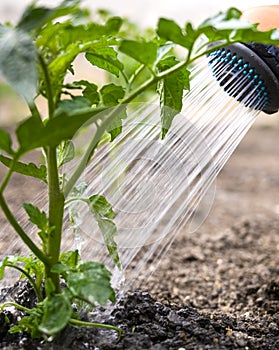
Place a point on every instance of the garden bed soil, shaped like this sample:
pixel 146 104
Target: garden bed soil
pixel 217 288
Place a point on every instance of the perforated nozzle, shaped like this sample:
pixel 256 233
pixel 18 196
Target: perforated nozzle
pixel 250 73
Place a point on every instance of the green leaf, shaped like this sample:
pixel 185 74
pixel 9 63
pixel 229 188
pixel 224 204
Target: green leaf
pixel 5 142
pixel 229 26
pixel 109 231
pixel 57 311
pixel 101 207
pixel 171 31
pixel 163 51
pixel 35 17
pixel 111 95
pixel 103 212
pixel 36 216
pixel 18 61
pixel 105 58
pixel 171 92
pixel 144 52
pixel 32 265
pixel 91 283
pixel 29 169
pixel 59 268
pixel 66 152
pixel 30 323
pixel 76 103
pixel 76 39
pixel 32 133
pixel 90 92
pixel 70 258
pixel 222 17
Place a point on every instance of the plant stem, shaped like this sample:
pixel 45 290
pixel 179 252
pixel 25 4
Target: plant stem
pixel 96 325
pixel 18 306
pixel 55 196
pixel 51 105
pixel 8 175
pixel 34 110
pixel 30 279
pixel 56 212
pixel 39 254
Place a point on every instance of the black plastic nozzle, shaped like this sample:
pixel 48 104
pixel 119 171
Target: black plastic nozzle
pixel 250 73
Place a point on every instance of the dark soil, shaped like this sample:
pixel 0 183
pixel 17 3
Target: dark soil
pixel 215 289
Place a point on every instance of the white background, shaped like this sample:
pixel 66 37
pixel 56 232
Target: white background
pixel 145 12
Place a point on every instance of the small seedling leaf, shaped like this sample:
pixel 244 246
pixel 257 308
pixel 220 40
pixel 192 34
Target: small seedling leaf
pixel 5 142
pixel 29 169
pixel 101 207
pixel 111 96
pixel 66 152
pixel 18 61
pixel 171 92
pixel 103 214
pixel 106 58
pixel 90 92
pixel 91 283
pixel 143 52
pixel 57 311
pixel 37 217
pixel 171 31
pixel 70 258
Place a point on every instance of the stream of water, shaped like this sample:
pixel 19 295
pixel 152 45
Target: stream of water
pixel 156 186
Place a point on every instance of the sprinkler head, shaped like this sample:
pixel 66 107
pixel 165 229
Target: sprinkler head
pixel 250 73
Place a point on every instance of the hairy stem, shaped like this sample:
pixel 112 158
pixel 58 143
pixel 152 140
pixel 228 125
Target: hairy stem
pixel 56 212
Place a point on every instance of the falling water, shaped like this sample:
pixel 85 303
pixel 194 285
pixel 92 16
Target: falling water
pixel 155 186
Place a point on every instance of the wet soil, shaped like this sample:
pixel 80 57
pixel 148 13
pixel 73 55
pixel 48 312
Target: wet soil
pixel 217 288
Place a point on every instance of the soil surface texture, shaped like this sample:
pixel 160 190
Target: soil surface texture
pixel 217 288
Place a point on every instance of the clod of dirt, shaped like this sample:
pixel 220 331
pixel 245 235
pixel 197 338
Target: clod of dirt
pixel 149 324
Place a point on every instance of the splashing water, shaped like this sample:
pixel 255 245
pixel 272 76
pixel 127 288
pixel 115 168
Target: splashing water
pixel 155 186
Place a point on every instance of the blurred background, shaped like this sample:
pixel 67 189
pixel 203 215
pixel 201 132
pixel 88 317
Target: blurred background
pixel 144 12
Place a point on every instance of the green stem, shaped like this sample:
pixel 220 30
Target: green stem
pixel 56 198
pixel 8 175
pixel 39 254
pixel 56 212
pixel 34 110
pixel 20 307
pixel 134 76
pixel 30 279
pixel 96 325
pixel 50 99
